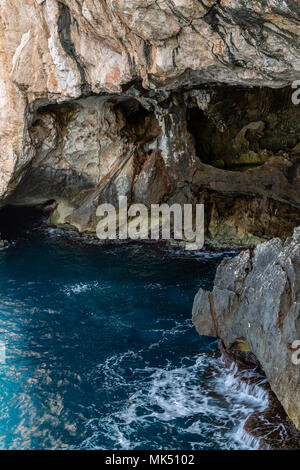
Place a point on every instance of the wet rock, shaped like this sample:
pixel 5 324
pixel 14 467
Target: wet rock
pixel 270 428
pixel 256 299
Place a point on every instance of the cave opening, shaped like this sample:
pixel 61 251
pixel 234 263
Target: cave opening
pixel 132 110
pixel 141 125
pixel 16 220
pixel 242 128
pixel 201 128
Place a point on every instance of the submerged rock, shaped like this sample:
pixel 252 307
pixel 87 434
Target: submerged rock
pixel 255 306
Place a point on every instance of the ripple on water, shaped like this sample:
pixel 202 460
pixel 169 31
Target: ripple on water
pixel 200 401
pixel 101 352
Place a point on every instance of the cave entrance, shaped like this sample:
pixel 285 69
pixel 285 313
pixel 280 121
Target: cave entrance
pixel 214 139
pixel 243 128
pixel 202 129
pixel 132 110
pixel 16 221
pixel 141 124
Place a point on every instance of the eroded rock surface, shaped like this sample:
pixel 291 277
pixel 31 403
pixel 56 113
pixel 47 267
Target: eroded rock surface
pixel 160 101
pixel 95 149
pixel 255 305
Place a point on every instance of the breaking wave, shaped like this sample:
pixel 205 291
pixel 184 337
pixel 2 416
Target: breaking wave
pixel 101 352
pixel 199 400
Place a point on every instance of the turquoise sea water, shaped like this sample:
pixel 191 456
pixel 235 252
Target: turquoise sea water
pixel 100 351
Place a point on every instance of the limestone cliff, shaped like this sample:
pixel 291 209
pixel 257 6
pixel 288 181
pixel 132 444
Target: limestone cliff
pixel 167 100
pixel 255 305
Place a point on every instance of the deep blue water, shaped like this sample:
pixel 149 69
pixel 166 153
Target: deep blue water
pixel 101 352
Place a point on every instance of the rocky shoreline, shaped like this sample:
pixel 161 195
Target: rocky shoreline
pixel 200 111
pixel 254 308
pixel 270 429
pixel 177 101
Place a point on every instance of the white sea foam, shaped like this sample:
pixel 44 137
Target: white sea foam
pixel 240 382
pixel 246 390
pixel 199 399
pixel 78 288
pixel 247 441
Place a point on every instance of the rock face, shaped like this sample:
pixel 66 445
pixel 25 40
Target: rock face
pixel 255 305
pixel 164 101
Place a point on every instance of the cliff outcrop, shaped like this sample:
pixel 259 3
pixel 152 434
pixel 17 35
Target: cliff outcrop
pixel 255 307
pixel 185 101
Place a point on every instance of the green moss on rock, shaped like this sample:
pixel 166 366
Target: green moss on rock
pixel 250 158
pixel 218 163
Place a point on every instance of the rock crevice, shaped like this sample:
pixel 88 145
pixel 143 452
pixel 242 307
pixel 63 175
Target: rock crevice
pixel 64 31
